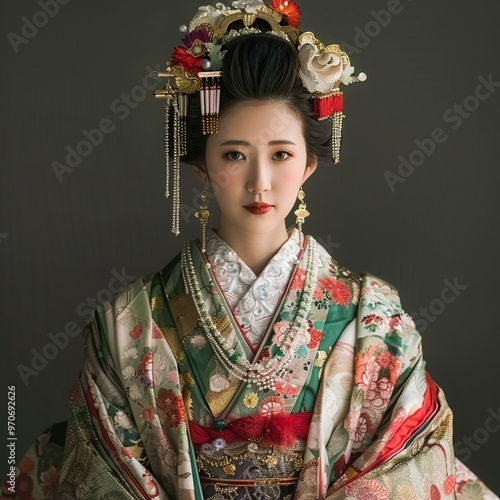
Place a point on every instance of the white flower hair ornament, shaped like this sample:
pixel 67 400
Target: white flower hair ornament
pixel 196 67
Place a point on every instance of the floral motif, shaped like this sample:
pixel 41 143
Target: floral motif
pixel 298 280
pixel 340 293
pixel 172 406
pixel 280 330
pixel 449 485
pixel 145 367
pixel 195 42
pixel 218 383
pixel 367 370
pixel 251 400
pixel 386 290
pixel 128 372
pixel 373 322
pixel 24 485
pixel 136 332
pixel 198 341
pixel 148 413
pixel 182 58
pixel 26 465
pixel 158 365
pixel 134 392
pixel 431 490
pixel 367 489
pixel 168 455
pixel 289 10
pixel 172 377
pixel 130 353
pixel 315 336
pixel 150 486
pixel 286 387
pixel 49 481
pixel 272 405
pixel 121 419
pixel 395 322
pixel 405 492
pixel 320 68
pixel 167 400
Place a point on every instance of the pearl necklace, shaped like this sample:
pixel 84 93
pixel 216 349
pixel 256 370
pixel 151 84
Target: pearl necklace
pixel 264 375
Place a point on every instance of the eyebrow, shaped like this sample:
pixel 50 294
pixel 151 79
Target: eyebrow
pixel 245 143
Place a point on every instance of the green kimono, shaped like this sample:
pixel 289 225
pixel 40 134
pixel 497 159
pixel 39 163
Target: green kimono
pixel 156 413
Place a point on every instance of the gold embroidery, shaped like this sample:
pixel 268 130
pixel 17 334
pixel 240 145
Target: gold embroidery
pixel 218 401
pixel 347 278
pixel 157 303
pixel 186 379
pixel 223 325
pixel 185 314
pixel 229 469
pixel 227 458
pixel 188 402
pixel 174 342
pixel 321 358
pixel 251 400
pixel 137 450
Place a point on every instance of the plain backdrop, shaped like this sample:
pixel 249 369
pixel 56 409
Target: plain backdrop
pixel 62 239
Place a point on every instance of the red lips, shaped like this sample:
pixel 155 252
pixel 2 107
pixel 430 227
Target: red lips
pixel 259 208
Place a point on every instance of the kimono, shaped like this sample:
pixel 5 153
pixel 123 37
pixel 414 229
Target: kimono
pixel 156 414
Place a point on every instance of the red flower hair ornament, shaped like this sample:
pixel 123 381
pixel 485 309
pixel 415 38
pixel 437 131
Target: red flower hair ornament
pixel 289 10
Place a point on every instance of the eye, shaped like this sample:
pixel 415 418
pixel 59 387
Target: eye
pixel 281 156
pixel 235 156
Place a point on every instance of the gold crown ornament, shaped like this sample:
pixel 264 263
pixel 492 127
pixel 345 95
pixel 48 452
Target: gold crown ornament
pixel 196 67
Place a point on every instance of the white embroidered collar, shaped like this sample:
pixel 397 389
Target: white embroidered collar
pixel 253 299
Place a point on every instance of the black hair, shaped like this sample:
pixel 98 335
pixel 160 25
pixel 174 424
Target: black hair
pixel 261 67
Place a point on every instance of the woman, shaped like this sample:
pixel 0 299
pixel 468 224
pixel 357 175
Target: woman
pixel 254 365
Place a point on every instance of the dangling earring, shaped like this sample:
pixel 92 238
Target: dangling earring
pixel 203 215
pixel 301 214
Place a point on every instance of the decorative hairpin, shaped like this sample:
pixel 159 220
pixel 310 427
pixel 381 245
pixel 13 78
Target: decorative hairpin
pixel 195 67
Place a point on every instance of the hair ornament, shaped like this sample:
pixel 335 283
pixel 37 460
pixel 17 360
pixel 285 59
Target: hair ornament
pixel 196 67
pixel 289 10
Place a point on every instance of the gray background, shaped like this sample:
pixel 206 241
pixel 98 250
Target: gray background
pixel 61 241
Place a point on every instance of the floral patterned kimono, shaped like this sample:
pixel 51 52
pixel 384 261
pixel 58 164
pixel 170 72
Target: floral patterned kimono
pixel 155 414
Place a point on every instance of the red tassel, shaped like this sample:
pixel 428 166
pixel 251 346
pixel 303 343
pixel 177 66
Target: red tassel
pixel 327 106
pixel 279 429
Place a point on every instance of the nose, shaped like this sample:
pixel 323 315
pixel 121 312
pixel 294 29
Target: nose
pixel 259 178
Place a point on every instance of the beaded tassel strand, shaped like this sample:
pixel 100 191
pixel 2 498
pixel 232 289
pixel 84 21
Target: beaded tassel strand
pixel 177 159
pixel 167 146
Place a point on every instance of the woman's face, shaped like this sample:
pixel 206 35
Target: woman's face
pixel 256 165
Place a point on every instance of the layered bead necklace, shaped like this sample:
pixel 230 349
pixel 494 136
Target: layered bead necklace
pixel 263 375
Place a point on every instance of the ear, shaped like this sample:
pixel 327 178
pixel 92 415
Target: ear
pixel 310 168
pixel 200 170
